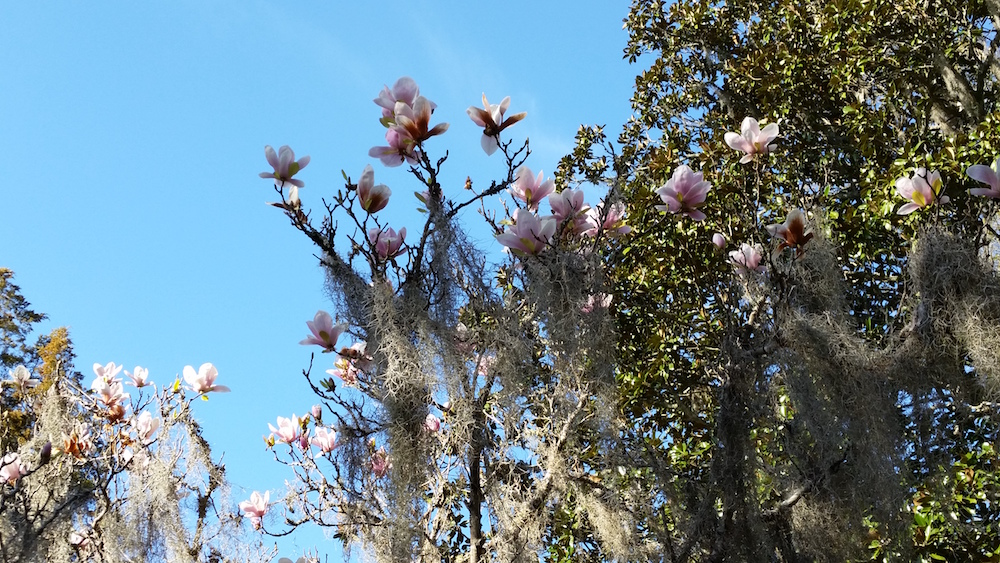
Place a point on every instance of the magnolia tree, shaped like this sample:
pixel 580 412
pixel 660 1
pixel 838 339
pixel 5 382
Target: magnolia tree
pixel 463 398
pixel 109 473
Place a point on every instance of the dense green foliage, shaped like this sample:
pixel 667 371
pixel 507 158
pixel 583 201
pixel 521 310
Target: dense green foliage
pixel 809 414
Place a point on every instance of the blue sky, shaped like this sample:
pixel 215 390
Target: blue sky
pixel 133 134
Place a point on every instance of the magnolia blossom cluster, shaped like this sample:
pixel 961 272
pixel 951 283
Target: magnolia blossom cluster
pixel 687 190
pixel 925 187
pixel 114 431
pixel 571 216
pixel 406 116
pixel 296 431
pixel 350 360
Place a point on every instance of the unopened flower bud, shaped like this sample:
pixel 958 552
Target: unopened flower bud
pixel 46 454
pixel 317 412
pixel 719 240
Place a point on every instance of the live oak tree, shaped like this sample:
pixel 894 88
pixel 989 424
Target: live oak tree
pixel 838 406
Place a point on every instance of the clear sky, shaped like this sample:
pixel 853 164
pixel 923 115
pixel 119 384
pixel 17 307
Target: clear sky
pixel 133 132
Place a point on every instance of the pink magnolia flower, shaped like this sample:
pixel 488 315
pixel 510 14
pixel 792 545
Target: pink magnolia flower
pixel 719 240
pixel 381 463
pixel 413 121
pixel 139 377
pixel 684 192
pixel 752 140
pixel 316 411
pixel 490 118
pixel 569 209
pixel 345 371
pixel 614 220
pixel 108 371
pixel 11 468
pixel 988 176
pixel 256 507
pixel 22 378
pixel 288 430
pixel 432 423
pixel 373 198
pixel 325 439
pixel 529 234
pixel 596 301
pixel 145 426
pixel 792 232
pixel 921 189
pixel 531 189
pixel 285 166
pixel 404 90
pixel 324 333
pixel 399 150
pixel 111 393
pixel 79 442
pixel 746 259
pixel 388 244
pixel 203 381
pixel 358 355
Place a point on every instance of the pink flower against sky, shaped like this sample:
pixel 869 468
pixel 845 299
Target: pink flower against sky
pixel 256 507
pixel 288 430
pixel 325 439
pixel 345 370
pixel 490 118
pixel 108 371
pixel 285 166
pixel 324 333
pixel 145 426
pixel 747 259
pixel 203 380
pixel 373 198
pixel 531 189
pixel 529 234
pixel 404 90
pixel 684 192
pixel 111 393
pixel 139 377
pixel 988 176
pixel 413 122
pixel 387 242
pixel 752 140
pixel 400 149
pixel 921 189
